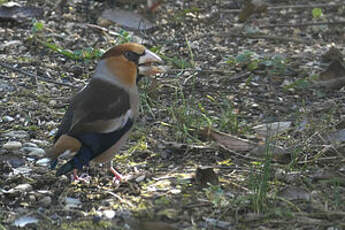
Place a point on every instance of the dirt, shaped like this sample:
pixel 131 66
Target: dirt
pixel 218 76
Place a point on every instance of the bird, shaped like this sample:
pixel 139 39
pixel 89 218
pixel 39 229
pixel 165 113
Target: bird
pixel 101 115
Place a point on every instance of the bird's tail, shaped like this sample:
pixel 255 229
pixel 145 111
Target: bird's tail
pixel 63 146
pixel 66 168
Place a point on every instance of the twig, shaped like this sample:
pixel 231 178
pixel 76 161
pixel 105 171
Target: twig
pixel 240 155
pixel 319 159
pixel 302 24
pixel 5 77
pixel 97 27
pixel 34 76
pixel 197 205
pixel 120 199
pixel 288 7
pixel 236 77
pixel 288 202
pixel 261 36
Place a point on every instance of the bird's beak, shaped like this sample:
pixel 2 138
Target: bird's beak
pixel 145 64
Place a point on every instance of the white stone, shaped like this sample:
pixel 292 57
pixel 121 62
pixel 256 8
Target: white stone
pixel 12 145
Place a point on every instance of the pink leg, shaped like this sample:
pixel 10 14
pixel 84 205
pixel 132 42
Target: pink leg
pixel 117 176
pixel 83 178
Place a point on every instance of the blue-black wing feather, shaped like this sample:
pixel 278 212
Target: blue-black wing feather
pixel 93 144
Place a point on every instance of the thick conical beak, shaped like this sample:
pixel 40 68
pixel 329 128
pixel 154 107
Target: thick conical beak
pixel 145 64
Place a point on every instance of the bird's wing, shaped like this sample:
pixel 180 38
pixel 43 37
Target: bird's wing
pixel 99 108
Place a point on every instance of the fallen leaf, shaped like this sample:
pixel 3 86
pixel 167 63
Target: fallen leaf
pixel 169 212
pixel 337 137
pixel 203 176
pixel 234 143
pixel 294 193
pixel 19 13
pixel 333 77
pixel 268 130
pixel 278 153
pixel 252 7
pixel 332 54
pixel 127 19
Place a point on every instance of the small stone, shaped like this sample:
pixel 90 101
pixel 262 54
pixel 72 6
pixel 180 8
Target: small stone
pixel 63 179
pixel 140 178
pixel 52 102
pixel 16 162
pixel 43 162
pixel 40 142
pixel 24 220
pixel 109 214
pixel 34 151
pixel 32 198
pixel 8 118
pixel 72 203
pixel 45 201
pixel 12 145
pixel 29 144
pixel 17 134
pixel 23 188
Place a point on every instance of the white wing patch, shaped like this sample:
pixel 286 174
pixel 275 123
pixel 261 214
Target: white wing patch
pixel 118 122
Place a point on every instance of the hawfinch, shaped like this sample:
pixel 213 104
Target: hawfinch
pixel 101 116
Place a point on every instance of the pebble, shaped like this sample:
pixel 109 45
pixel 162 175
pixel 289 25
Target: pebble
pixel 32 198
pixel 140 178
pixel 24 220
pixel 40 142
pixel 23 188
pixel 17 134
pixel 8 118
pixel 29 144
pixel 63 179
pixel 12 145
pixel 109 214
pixel 72 203
pixel 16 162
pixel 52 102
pixel 5 87
pixel 43 162
pixel 45 201
pixel 34 151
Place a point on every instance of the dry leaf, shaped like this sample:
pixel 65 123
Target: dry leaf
pixel 203 176
pixel 333 54
pixel 279 154
pixel 19 13
pixel 252 7
pixel 272 129
pixel 294 193
pixel 333 77
pixel 128 19
pixel 231 142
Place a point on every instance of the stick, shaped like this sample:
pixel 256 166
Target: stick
pixel 303 24
pixel 35 76
pixel 289 7
pixel 260 36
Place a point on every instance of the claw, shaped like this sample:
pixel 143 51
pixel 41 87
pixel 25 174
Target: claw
pixel 84 178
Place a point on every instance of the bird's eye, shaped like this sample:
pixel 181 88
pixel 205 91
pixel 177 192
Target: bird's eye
pixel 131 56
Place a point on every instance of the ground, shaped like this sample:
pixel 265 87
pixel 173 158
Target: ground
pixel 222 81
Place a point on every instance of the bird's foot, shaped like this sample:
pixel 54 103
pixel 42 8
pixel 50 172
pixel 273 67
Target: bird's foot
pixel 118 178
pixel 84 177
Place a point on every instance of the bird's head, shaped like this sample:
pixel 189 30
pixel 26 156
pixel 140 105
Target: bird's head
pixel 126 62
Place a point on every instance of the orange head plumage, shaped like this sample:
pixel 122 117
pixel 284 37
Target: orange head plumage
pixel 128 60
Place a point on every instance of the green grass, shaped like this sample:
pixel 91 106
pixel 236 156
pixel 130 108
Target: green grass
pixel 259 182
